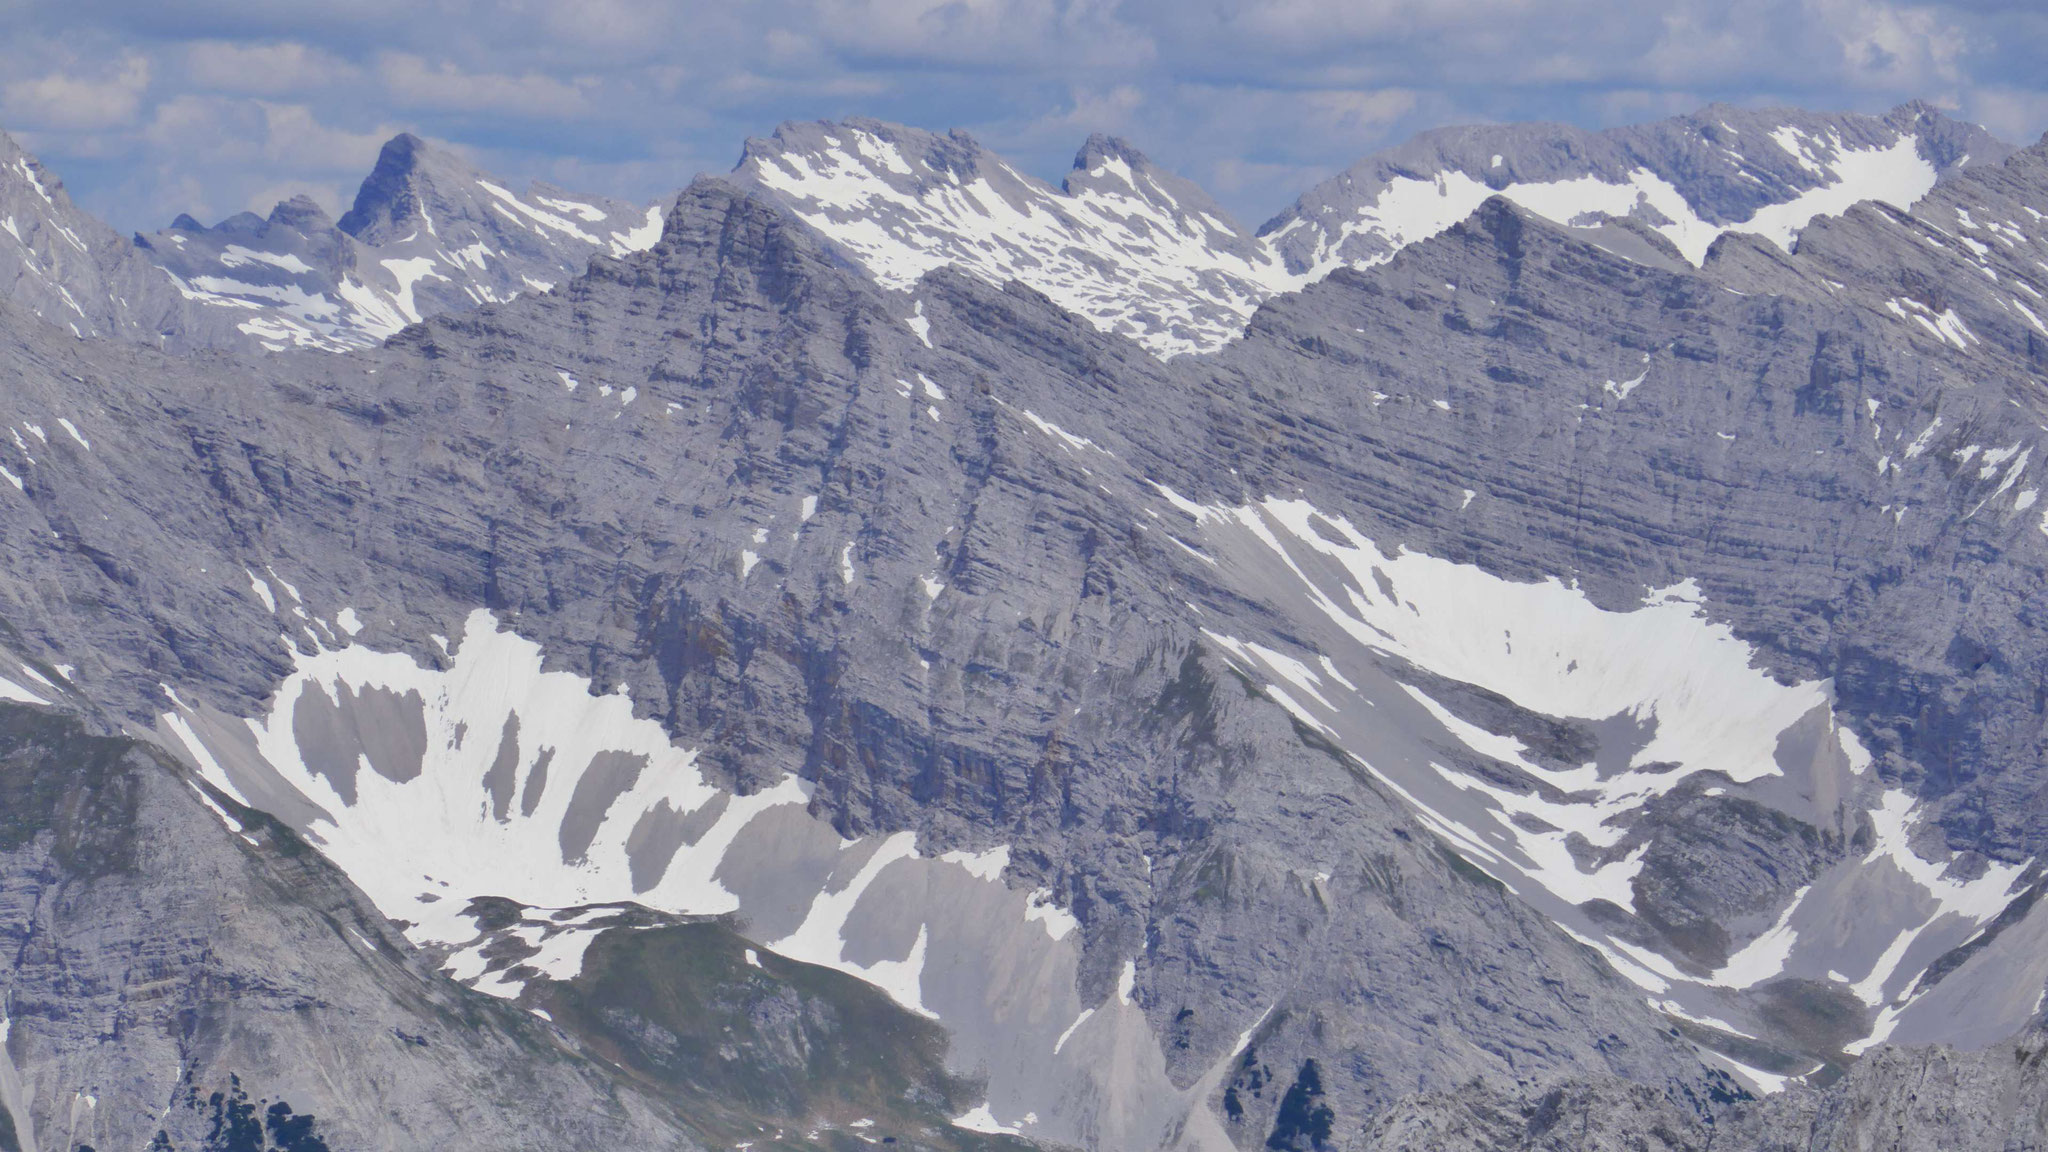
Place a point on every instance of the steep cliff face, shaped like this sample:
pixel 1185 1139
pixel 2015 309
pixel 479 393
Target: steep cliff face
pixel 1521 662
pixel 870 591
pixel 186 978
pixel 186 973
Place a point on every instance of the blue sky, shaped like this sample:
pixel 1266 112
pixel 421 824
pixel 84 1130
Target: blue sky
pixel 215 106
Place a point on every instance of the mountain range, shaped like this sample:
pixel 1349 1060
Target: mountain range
pixel 428 234
pixel 1556 666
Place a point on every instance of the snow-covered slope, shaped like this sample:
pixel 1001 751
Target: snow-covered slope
pixel 428 234
pixel 1390 643
pixel 1136 250
pixel 1689 179
pixel 490 777
pixel 1141 252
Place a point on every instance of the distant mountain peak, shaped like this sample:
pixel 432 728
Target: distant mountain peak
pixel 303 213
pixel 1692 178
pixel 1134 249
pixel 60 263
pixel 1144 252
pixel 895 153
pixel 428 233
pixel 395 197
pixel 1100 147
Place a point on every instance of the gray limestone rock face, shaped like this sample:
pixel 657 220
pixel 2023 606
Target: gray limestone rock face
pixel 63 265
pixel 1252 666
pixel 1069 708
pixel 173 974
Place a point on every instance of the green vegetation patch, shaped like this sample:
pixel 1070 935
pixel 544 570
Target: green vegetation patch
pixel 81 789
pixel 779 1053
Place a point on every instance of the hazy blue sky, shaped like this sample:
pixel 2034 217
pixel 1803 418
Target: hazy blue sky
pixel 213 106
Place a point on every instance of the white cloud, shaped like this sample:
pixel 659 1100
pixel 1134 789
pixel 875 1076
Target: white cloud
pixel 1347 114
pixel 295 138
pixel 1893 46
pixel 418 84
pixel 109 97
pixel 240 153
pixel 264 68
pixel 1012 34
pixel 1250 96
pixel 1318 23
pixel 2016 114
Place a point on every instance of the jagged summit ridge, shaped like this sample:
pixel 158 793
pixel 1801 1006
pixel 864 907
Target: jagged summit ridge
pixel 1133 249
pixel 428 233
pixel 1147 254
pixel 391 195
pixel 1689 178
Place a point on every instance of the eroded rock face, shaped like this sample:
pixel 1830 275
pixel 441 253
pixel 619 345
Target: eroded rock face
pixel 1904 1098
pixel 1508 663
pixel 177 980
pixel 791 667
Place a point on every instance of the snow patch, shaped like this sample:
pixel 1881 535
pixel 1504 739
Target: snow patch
pixel 1059 922
pixel 1620 390
pixel 262 590
pixel 987 865
pixel 980 1119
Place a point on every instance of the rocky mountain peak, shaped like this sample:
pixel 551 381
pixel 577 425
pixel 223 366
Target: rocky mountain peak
pixel 901 201
pixel 398 196
pixel 896 154
pixel 64 265
pixel 428 233
pixel 303 213
pixel 1112 165
pixel 1692 178
pixel 1946 141
pixel 1101 148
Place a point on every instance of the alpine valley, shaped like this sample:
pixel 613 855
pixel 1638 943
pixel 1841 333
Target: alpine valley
pixel 1538 646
